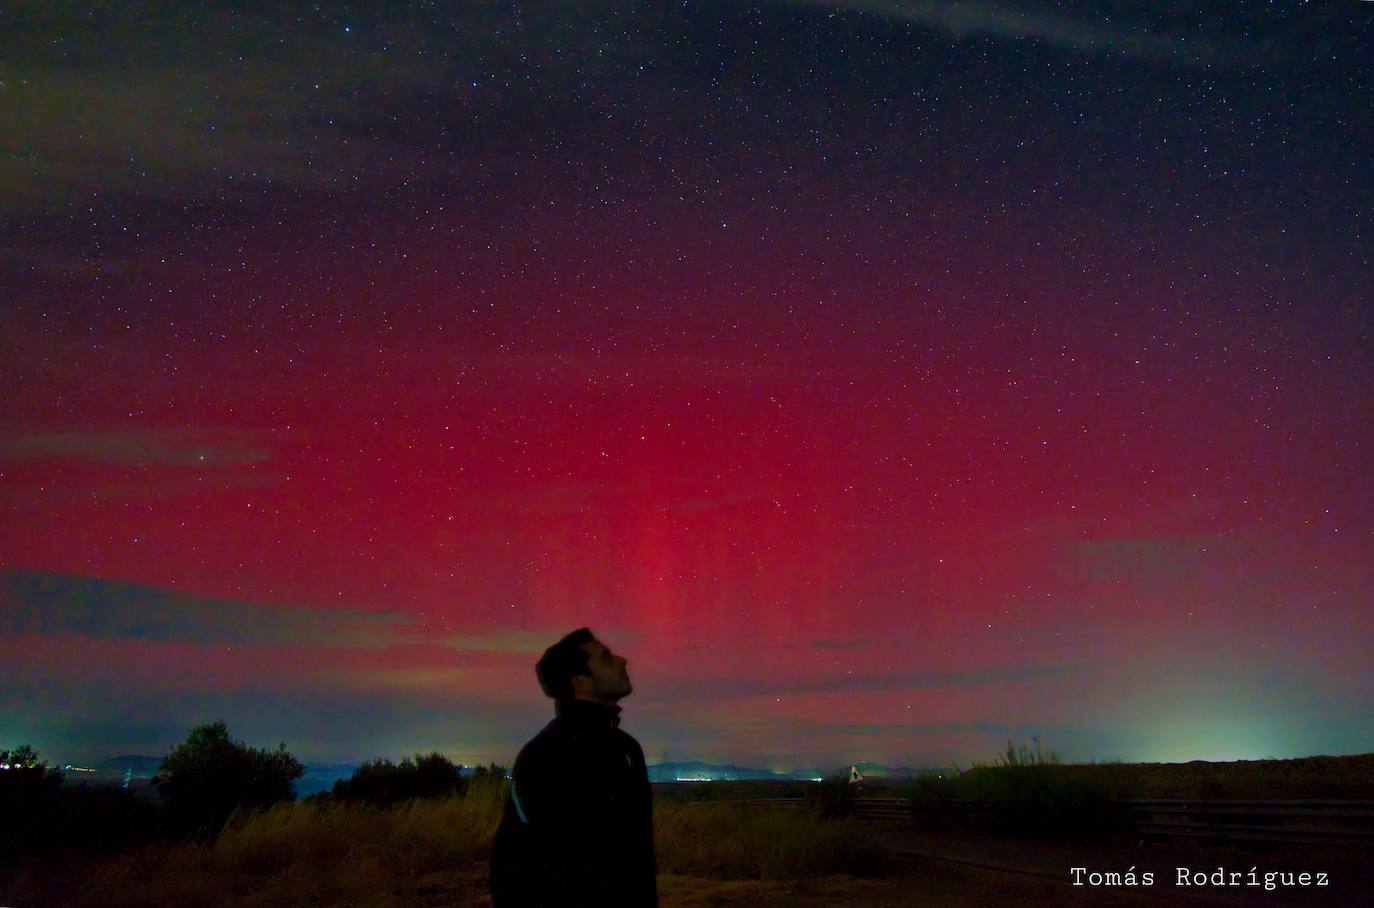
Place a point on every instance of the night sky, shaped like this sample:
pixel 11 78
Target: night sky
pixel 885 379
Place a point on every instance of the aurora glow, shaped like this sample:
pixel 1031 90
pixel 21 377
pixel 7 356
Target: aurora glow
pixel 886 380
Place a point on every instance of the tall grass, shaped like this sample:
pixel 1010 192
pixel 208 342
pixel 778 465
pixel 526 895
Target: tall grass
pixel 321 852
pixel 1021 768
pixel 314 852
pixel 732 841
pixel 412 837
pixel 1028 792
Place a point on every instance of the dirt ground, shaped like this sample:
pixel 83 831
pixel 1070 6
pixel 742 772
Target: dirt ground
pixel 935 884
pixel 1027 874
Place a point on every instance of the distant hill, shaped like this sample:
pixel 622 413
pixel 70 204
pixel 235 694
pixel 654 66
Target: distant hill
pixel 697 771
pixel 877 772
pixel 112 771
pixel 140 763
pixel 322 776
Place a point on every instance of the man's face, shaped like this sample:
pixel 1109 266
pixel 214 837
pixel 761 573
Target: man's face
pixel 606 680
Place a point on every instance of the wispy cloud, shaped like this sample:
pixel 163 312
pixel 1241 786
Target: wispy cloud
pixel 732 688
pixel 1163 563
pixel 505 641
pixel 140 447
pixel 68 719
pixel 86 127
pixel 65 604
pixel 1092 30
pixel 163 103
pixel 1018 731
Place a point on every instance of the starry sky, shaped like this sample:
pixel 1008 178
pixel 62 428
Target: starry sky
pixel 884 379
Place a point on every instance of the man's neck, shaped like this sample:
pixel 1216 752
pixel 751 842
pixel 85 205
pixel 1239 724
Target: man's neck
pixel 584 710
pixel 592 698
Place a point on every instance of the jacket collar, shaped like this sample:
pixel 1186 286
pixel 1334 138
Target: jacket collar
pixel 585 712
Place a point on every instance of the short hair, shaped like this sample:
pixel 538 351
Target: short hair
pixel 555 669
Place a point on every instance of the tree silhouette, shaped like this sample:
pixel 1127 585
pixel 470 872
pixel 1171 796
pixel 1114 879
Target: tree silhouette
pixel 383 783
pixel 208 775
pixel 20 757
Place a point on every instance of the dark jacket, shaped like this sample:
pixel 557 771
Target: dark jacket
pixel 577 827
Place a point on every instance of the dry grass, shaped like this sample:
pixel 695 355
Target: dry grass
pixel 1029 792
pixel 434 853
pixel 317 853
pixel 1306 777
pixel 412 838
pixel 734 842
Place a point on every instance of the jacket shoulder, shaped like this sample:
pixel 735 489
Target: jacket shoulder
pixel 542 746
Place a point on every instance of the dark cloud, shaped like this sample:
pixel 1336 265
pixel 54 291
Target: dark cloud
pixel 144 101
pixel 165 101
pixel 738 687
pixel 315 725
pixel 64 604
pixel 35 602
pixel 1157 565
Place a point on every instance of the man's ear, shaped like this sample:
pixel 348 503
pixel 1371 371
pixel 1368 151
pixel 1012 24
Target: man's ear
pixel 580 684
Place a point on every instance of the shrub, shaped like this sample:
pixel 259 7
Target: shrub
pixel 382 783
pixel 209 776
pixel 493 769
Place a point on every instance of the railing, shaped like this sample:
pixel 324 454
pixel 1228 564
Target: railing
pixel 1338 823
pixel 1306 822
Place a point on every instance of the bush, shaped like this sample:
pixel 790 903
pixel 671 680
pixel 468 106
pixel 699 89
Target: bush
pixel 26 783
pixel 29 799
pixel 382 783
pixel 492 769
pixel 209 776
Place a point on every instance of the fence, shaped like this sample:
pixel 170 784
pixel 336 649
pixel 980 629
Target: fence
pixel 1339 823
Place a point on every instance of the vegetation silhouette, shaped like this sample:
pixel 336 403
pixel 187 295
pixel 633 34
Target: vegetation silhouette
pixel 209 776
pixel 1023 792
pixel 382 783
pixel 298 852
pixel 45 813
pixel 29 793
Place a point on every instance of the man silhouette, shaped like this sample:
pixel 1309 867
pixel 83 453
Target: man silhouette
pixel 577 828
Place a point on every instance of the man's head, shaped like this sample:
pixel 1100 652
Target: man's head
pixel 581 667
